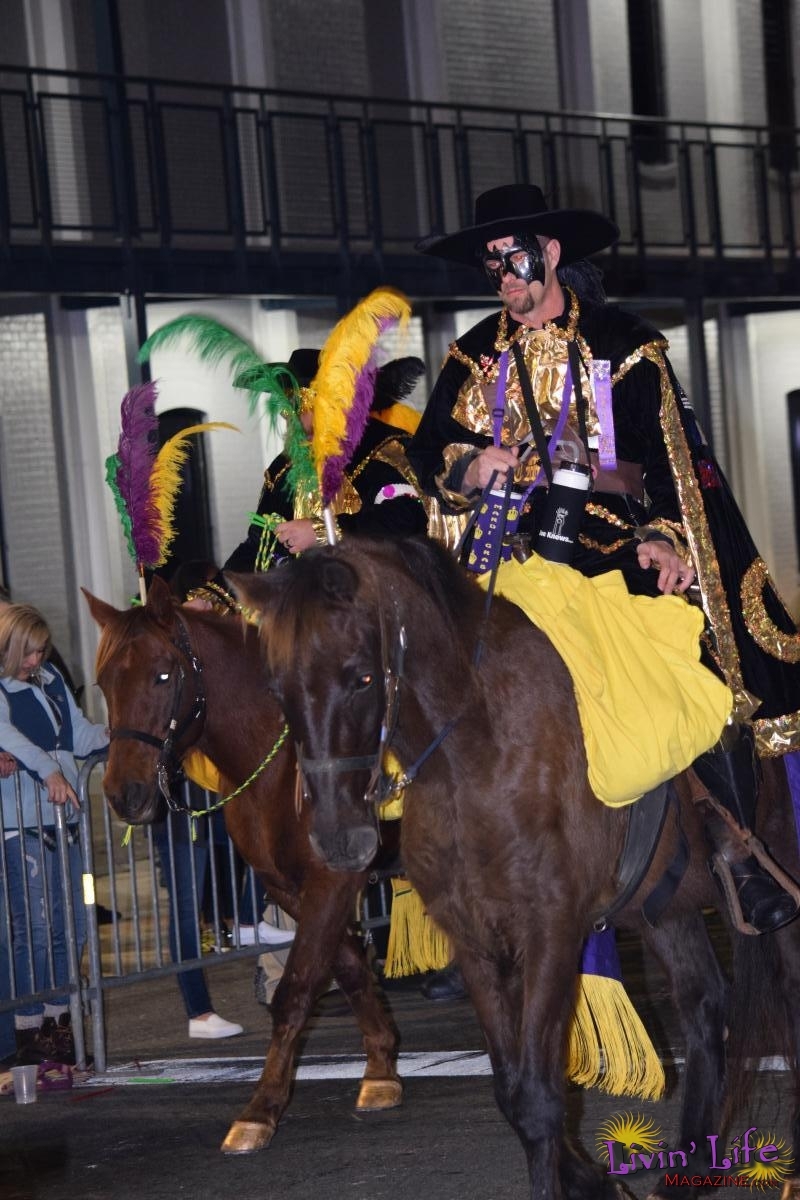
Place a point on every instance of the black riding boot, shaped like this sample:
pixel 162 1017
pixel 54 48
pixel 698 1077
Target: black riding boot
pixel 446 984
pixel 731 773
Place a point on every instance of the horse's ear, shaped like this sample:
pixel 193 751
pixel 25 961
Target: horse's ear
pixel 252 591
pixel 339 581
pixel 160 604
pixel 101 611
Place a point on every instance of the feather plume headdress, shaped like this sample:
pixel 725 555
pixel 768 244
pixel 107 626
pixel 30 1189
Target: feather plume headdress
pixel 145 480
pixel 270 384
pixel 344 386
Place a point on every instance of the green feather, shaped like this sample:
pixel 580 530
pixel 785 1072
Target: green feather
pixel 212 341
pixel 274 383
pixel 112 466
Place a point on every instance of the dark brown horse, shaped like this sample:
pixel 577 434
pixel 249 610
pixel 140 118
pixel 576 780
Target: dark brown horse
pixel 160 662
pixel 511 852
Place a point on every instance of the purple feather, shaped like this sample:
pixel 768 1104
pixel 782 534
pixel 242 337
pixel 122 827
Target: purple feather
pixel 138 446
pixel 356 423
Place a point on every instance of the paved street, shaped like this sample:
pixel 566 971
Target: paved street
pixel 152 1127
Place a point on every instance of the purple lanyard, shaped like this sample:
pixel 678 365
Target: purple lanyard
pixel 498 412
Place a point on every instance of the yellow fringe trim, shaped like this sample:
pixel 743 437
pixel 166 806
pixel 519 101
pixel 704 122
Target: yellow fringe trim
pixel 609 1047
pixel 416 943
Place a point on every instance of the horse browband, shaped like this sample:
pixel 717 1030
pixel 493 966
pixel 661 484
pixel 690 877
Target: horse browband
pixel 175 731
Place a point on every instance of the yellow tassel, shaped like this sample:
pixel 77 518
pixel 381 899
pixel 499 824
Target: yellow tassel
pixel 342 359
pixel 609 1047
pixel 202 771
pixel 165 478
pixel 416 943
pixel 392 809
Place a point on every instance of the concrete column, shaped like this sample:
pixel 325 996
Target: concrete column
pixel 83 501
pixel 698 365
pixel 252 63
pixel 423 51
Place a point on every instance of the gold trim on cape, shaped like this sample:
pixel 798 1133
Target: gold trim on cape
pixel 698 535
pixel 777 735
pixel 762 629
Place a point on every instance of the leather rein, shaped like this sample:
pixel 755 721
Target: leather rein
pixel 381 786
pixel 167 758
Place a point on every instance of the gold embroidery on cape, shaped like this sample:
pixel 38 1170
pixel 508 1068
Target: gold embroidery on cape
pixel 347 500
pixel 450 455
pixel 391 452
pixel 777 735
pixel 545 355
pixel 602 547
pixel 639 353
pixel 672 530
pixel 698 538
pixel 762 629
pixel 599 510
pixel 445 528
pixel 271 481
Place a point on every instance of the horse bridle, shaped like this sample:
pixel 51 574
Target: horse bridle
pixel 167 759
pixel 375 791
pixel 381 787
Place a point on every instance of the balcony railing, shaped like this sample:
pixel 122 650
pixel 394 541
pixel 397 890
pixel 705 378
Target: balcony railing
pixel 140 177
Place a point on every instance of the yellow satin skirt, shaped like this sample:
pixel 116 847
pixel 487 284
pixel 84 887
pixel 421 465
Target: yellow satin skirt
pixel 647 705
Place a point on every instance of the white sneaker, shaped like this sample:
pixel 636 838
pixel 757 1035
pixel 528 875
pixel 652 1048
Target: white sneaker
pixel 214 1026
pixel 270 935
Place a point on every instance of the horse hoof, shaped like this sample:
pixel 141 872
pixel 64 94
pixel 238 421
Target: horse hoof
pixel 245 1137
pixel 376 1094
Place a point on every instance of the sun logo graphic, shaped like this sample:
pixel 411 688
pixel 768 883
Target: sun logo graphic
pixel 632 1132
pixel 773 1173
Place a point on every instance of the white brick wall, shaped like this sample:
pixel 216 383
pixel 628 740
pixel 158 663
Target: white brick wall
pixel 775 370
pixel 30 486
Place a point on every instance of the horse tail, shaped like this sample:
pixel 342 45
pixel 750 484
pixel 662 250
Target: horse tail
pixel 760 1018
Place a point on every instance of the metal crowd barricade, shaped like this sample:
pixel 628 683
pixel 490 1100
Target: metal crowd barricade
pixel 123 871
pixel 49 836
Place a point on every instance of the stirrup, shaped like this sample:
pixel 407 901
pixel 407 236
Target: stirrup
pixel 721 868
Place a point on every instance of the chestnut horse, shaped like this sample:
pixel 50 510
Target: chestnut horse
pixel 369 646
pixel 160 663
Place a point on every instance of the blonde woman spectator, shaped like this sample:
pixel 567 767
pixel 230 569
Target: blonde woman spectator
pixel 44 730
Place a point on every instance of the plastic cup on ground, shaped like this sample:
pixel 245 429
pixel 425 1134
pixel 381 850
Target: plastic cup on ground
pixel 24 1084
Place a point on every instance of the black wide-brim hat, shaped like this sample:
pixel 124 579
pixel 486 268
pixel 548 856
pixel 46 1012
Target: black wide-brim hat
pixel 521 208
pixel 303 364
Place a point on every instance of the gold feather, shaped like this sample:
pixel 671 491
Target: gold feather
pixel 165 479
pixel 344 356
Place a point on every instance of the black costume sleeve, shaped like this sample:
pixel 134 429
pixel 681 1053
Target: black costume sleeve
pixel 274 499
pixel 640 438
pixel 403 516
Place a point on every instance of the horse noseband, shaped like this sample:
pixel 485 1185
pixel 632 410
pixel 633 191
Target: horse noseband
pixel 379 783
pixel 167 761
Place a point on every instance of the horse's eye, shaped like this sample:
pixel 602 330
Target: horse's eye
pixel 162 677
pixel 365 681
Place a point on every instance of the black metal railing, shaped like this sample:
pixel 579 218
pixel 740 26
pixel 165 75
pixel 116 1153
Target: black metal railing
pixel 147 165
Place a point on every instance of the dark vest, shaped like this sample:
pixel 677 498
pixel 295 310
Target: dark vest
pixel 28 716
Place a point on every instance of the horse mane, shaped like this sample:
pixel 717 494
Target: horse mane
pixel 129 623
pixel 313 584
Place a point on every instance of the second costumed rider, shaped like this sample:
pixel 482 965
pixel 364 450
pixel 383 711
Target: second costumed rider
pixel 378 495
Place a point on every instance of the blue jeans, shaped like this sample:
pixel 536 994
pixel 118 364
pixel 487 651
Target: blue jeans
pixel 184 930
pixel 31 864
